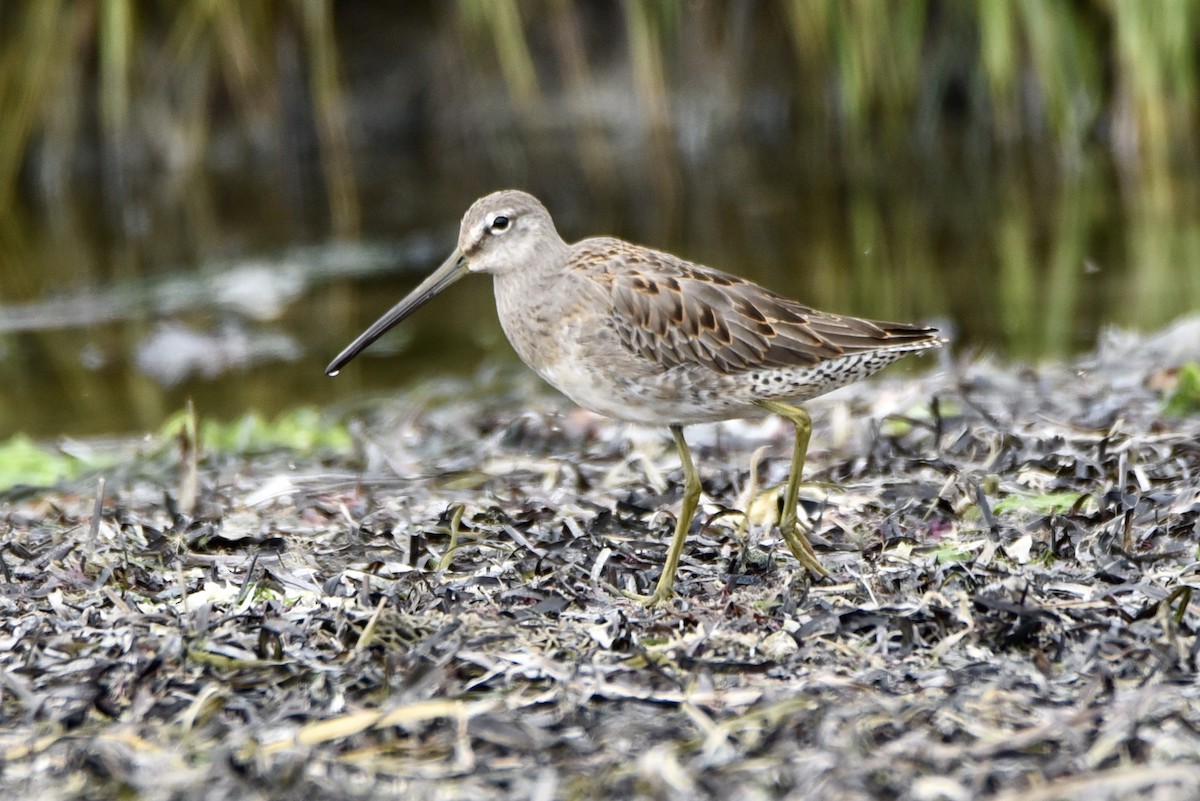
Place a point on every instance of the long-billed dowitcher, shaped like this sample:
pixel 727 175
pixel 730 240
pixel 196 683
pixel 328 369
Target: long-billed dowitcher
pixel 647 337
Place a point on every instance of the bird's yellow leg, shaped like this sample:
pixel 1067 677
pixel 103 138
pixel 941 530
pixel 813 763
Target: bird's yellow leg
pixel 797 543
pixel 691 497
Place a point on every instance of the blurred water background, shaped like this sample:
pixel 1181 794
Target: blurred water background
pixel 209 199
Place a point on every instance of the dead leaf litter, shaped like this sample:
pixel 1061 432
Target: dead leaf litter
pixel 1010 613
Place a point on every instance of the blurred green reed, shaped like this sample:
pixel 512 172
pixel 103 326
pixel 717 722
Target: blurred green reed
pixel 155 75
pixel 1061 75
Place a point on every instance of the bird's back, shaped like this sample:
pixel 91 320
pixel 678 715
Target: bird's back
pixel 674 312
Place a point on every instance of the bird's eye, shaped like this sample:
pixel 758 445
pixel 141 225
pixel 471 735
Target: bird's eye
pixel 500 224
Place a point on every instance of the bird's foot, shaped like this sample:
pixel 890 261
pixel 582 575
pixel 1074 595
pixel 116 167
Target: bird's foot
pixel 652 600
pixel 801 548
pixel 658 596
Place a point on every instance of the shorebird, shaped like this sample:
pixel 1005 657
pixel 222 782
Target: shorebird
pixel 647 337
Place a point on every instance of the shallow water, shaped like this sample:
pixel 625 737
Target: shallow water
pixel 104 330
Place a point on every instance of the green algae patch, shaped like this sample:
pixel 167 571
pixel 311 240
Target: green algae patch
pixel 25 462
pixel 1184 398
pixel 305 430
pixel 1042 503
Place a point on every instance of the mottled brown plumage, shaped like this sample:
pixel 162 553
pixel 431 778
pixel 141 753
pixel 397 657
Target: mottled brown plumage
pixel 673 312
pixel 644 336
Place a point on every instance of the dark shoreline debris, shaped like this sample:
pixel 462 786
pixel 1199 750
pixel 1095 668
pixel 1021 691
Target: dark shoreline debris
pixel 1011 612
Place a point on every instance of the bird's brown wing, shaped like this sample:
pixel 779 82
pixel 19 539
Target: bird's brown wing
pixel 672 312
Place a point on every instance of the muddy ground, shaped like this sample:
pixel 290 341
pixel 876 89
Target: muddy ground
pixel 1010 612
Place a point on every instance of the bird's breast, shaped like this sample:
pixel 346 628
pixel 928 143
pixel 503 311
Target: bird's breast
pixel 534 320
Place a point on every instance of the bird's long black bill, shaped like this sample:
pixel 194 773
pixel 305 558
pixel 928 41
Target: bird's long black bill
pixel 451 270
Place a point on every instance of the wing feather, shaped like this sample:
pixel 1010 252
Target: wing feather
pixel 672 312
